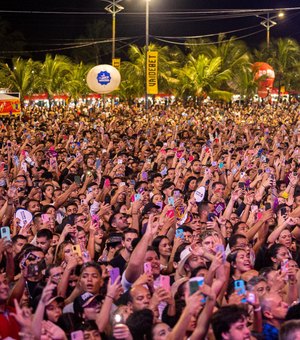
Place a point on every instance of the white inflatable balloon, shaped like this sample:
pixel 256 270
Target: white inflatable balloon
pixel 103 79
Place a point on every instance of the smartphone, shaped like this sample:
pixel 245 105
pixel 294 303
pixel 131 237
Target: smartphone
pixel 171 201
pixel 254 208
pixel 147 268
pixel 144 176
pixel 107 199
pixel 239 287
pixel 106 183
pixel 164 282
pixel 45 218
pixel 259 171
pixel 120 161
pixel 160 205
pixel 176 193
pixel 170 213
pixel 241 185
pixel 32 270
pixel 53 162
pixel 284 267
pixel 114 274
pixel 251 297
pixel 24 166
pixel 118 319
pixel 5 233
pixel 268 206
pixel 78 335
pixel 220 249
pixel 137 197
pixel 77 250
pixel 95 218
pixel 179 233
pixel 77 180
pixel 193 286
pixel 283 211
pixel 210 217
pixel 121 184
pixel 195 283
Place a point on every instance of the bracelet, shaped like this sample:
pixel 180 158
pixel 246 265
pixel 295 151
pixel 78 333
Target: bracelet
pixel 109 296
pixel 257 309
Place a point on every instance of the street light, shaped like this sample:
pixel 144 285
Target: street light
pixel 113 8
pixel 268 22
pixel 147 48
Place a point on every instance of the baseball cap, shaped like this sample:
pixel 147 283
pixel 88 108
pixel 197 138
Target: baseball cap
pixel 84 300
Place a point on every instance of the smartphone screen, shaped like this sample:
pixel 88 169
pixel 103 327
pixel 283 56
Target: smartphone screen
pixel 77 180
pixel 5 233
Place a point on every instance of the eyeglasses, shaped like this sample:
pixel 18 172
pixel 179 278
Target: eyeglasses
pixel 82 220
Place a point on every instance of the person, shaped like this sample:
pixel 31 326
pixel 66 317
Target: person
pixel 274 311
pixel 102 191
pixel 290 330
pixel 9 326
pixel 230 323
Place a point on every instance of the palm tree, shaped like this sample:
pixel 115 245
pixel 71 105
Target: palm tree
pixel 233 53
pixel 75 81
pixel 54 73
pixel 283 55
pixel 242 82
pixel 21 77
pixel 202 76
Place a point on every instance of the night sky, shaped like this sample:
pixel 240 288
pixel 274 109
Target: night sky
pixel 53 31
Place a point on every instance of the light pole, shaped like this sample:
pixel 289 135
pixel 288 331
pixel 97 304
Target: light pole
pixel 268 22
pixel 147 48
pixel 113 8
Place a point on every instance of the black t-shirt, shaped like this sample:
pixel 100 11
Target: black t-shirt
pixel 119 262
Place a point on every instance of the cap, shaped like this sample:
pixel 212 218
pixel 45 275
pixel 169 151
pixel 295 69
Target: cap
pixel 84 300
pixel 148 207
pixel 55 298
pixel 184 256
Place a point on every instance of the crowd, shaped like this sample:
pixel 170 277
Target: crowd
pixel 179 223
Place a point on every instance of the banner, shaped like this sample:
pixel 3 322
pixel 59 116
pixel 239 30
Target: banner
pixel 116 62
pixel 152 72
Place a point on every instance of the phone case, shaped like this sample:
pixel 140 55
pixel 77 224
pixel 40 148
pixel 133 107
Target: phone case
pixel 179 233
pixel 239 287
pixel 76 249
pixel 147 268
pixel 106 183
pixel 171 201
pixel 114 274
pixel 165 282
pixel 45 218
pixel 78 335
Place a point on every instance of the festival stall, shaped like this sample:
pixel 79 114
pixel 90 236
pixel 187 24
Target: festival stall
pixel 9 105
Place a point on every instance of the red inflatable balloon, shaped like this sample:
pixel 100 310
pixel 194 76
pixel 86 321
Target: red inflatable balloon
pixel 264 74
